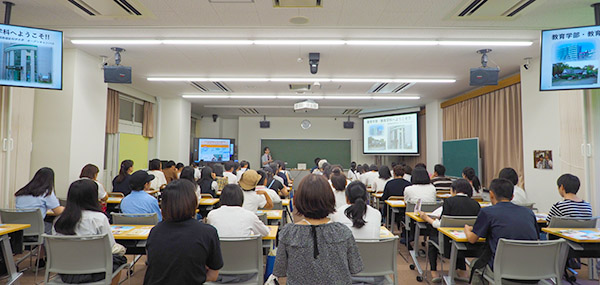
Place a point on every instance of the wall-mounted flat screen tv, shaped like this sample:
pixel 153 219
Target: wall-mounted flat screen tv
pixel 569 58
pixel 31 57
pixel 391 134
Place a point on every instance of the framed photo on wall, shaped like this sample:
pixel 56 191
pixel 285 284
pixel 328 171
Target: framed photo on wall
pixel 542 159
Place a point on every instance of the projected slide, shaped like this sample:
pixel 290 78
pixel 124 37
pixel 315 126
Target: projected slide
pixel 394 134
pixel 214 150
pixel 569 59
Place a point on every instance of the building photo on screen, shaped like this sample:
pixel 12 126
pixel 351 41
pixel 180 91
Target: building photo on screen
pixel 30 57
pixel 394 134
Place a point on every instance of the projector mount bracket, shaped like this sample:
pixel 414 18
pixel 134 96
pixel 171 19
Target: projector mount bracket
pixel 484 57
pixel 117 51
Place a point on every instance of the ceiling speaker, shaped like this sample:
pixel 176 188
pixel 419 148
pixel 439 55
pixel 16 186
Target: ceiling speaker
pixel 348 125
pixel 265 124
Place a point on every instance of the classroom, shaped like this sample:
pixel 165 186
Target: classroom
pixel 204 85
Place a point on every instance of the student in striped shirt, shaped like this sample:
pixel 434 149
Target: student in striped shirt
pixel 439 179
pixel 572 206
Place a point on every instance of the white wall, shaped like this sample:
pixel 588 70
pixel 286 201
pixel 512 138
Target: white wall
pixel 542 131
pixel 174 133
pixel 434 134
pixel 68 128
pixel 250 135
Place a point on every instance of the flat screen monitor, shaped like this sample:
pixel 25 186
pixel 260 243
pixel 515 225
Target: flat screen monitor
pixel 215 150
pixel 391 134
pixel 31 57
pixel 569 59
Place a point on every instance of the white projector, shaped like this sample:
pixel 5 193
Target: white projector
pixel 308 104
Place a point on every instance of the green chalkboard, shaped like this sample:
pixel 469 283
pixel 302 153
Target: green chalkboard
pixel 458 154
pixel 296 151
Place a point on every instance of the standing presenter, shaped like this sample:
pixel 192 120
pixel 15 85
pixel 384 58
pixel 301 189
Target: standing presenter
pixel 266 157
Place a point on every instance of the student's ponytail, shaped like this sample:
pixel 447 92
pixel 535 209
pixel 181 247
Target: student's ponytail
pixel 356 192
pixel 469 173
pixel 125 165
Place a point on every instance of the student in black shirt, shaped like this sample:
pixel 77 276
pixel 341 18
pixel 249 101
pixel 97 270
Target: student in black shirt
pixel 395 187
pixel 121 181
pixel 180 249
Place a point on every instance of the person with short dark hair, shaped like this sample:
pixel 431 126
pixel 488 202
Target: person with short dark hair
pixel 363 220
pixel 502 220
pixel 90 171
pixel 179 167
pixel 384 177
pixel 170 171
pixel 407 172
pixel 244 165
pixel 218 169
pixel 266 157
pixel 370 176
pixel 262 185
pixel 182 250
pixel 121 182
pixel 519 195
pixel 439 179
pixel 421 188
pixel 273 182
pixel 460 204
pixel 571 206
pixel 154 169
pixel 229 168
pixel 353 173
pixel 231 220
pixel 138 201
pixel 338 185
pixel 316 165
pixel 421 165
pixel 314 250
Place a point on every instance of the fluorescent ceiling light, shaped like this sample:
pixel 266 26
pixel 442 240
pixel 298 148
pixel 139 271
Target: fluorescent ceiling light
pixel 307 80
pixel 296 97
pixel 396 97
pixel 349 97
pixel 299 97
pixel 301 42
pixel 202 96
pixel 252 97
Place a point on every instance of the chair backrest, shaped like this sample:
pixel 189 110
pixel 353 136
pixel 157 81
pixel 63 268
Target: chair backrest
pixel 527 205
pixel 529 260
pixel 396 198
pixel 32 217
pixel 78 255
pixel 276 206
pixel 62 201
pixel 457 221
pixel 567 222
pixel 425 207
pixel 263 218
pixel 242 255
pixel 134 219
pixel 378 256
pixel 116 194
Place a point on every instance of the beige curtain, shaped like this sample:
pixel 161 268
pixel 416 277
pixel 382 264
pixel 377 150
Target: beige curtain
pixel 148 120
pixel 112 112
pixel 496 119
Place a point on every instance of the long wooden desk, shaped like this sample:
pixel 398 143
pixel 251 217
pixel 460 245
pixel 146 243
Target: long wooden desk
pixel 459 243
pixel 391 212
pixel 208 201
pixel 285 202
pixel 114 200
pixel 141 232
pixel 11 268
pixel 272 214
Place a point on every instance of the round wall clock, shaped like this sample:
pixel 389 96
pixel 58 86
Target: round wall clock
pixel 305 124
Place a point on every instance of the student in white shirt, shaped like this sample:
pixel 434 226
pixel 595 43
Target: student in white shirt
pixel 254 199
pixel 407 173
pixel 154 168
pixel 231 220
pixel 421 189
pixel 362 219
pixel 469 174
pixel 90 171
pixel 519 195
pixel 353 174
pixel 384 177
pixel 262 186
pixel 338 184
pixel 229 167
pixel 369 177
pixel 244 165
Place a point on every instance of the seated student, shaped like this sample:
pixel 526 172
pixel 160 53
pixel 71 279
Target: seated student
pixel 460 204
pixel 262 185
pixel 188 174
pixel 39 194
pixel 407 172
pixel 244 165
pixel 218 169
pixel 273 182
pixel 231 220
pixel 384 176
pixel 254 199
pixel 154 169
pixel 83 217
pixel 197 173
pixel 316 165
pixel 353 173
pixel 229 168
pixel 180 249
pixel 314 250
pixel 179 167
pixel 363 220
pixel 502 220
pixel 370 176
pixel 170 171
pixel 138 201
pixel 321 165
pixel 90 171
pixel 394 187
pixel 519 195
pixel 421 188
pixel 439 180
pixel 572 206
pixel 207 182
pixel 469 174
pixel 338 185
pixel 121 182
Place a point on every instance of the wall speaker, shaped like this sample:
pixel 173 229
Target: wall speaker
pixel 265 124
pixel 348 125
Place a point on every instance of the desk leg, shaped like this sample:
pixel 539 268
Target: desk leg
pixel 10 262
pixel 452 270
pixel 415 252
pixel 391 218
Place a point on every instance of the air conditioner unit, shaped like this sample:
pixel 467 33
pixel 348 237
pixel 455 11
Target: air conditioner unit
pixel 308 104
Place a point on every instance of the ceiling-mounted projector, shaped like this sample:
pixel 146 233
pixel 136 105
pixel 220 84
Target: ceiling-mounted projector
pixel 306 105
pixel 117 73
pixel 481 76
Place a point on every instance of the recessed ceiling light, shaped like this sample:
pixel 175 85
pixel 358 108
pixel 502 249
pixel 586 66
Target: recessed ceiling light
pixel 299 20
pixel 307 80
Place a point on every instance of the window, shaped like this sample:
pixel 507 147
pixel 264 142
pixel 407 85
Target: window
pixel 131 111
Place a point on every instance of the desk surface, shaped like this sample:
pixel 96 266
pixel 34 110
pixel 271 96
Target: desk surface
pixel 11 228
pixel 272 214
pixel 443 195
pixel 114 200
pixel 131 232
pixel 272 233
pixel 396 203
pixel 208 201
pixel 541 218
pixel 415 217
pixel 385 233
pixel 456 234
pixel 285 202
pixel 591 235
pixel 377 195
